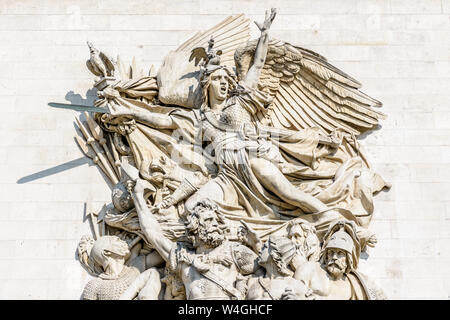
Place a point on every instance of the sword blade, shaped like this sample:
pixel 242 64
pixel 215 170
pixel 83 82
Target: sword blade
pixel 77 107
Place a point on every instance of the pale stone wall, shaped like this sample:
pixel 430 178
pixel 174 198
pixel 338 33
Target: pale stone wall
pixel 398 49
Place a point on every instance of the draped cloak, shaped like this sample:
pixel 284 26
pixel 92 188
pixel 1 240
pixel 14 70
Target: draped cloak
pixel 340 179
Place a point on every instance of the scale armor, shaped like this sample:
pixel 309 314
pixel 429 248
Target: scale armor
pixel 235 115
pixel 110 289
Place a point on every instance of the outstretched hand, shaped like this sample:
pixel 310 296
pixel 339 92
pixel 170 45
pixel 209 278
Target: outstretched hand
pixel 119 110
pixel 267 21
pixel 135 186
pixel 248 236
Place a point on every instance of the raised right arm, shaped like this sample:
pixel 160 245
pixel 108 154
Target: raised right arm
pixel 149 225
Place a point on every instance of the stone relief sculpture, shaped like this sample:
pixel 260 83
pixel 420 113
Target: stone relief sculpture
pixel 235 171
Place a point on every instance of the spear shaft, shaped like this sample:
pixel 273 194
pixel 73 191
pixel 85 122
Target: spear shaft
pixel 91 141
pixel 97 132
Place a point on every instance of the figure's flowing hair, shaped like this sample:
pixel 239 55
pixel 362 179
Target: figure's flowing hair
pixel 205 81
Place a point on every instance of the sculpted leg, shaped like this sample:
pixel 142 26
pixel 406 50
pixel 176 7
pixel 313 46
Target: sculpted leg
pixel 210 190
pixel 272 179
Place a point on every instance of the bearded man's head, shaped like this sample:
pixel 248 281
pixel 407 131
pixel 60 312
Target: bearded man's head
pixel 205 225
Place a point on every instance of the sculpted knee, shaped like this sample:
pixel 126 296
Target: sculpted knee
pixel 261 166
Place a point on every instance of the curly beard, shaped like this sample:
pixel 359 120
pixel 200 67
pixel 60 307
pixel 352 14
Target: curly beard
pixel 211 238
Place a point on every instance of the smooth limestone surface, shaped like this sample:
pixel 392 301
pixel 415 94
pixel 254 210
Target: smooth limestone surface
pixel 398 49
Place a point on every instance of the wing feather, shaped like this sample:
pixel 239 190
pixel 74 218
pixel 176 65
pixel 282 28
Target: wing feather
pixel 329 116
pixel 340 117
pixel 189 41
pixel 339 111
pixel 108 63
pixel 307 107
pixel 274 121
pixel 285 123
pixel 178 79
pixel 93 69
pixel 326 71
pixel 337 103
pixel 228 35
pixel 289 105
pixel 309 91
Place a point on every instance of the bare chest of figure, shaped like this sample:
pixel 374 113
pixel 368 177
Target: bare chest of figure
pixel 198 287
pixel 339 290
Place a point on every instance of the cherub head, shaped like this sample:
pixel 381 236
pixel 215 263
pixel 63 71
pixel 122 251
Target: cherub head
pixel 205 225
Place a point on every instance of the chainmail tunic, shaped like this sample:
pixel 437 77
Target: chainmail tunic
pixel 235 115
pixel 105 289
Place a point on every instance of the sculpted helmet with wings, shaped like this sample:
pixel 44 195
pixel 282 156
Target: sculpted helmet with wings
pixel 209 56
pixel 99 63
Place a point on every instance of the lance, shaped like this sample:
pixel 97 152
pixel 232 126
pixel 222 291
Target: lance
pixel 115 155
pixel 91 141
pixel 88 152
pixel 77 107
pixel 97 132
pixel 93 217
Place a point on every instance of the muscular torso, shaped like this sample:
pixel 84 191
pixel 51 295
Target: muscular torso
pixel 199 287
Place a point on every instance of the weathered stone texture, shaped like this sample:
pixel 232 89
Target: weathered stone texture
pixel 398 49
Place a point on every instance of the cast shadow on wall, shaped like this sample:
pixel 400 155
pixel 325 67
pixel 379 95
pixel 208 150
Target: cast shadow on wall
pixel 73 98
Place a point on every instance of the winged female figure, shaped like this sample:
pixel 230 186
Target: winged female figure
pixel 277 139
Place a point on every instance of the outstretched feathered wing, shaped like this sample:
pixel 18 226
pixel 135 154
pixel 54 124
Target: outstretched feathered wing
pixel 178 77
pixel 228 35
pixel 93 69
pixel 308 91
pixel 109 64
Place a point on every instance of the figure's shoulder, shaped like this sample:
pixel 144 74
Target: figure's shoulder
pixel 180 253
pixel 91 289
pixel 310 268
pixel 372 290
